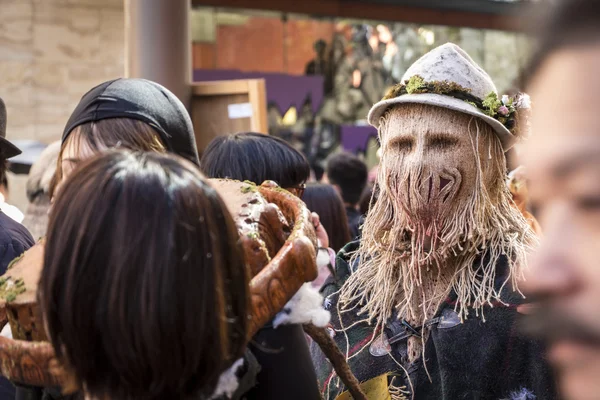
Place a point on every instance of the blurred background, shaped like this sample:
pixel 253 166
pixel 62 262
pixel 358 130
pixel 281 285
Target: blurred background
pixel 324 62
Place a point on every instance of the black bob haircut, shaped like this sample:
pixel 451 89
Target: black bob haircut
pixel 144 290
pixel 255 157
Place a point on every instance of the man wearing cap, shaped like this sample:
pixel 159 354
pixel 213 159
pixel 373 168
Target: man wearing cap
pixel 425 305
pixel 14 237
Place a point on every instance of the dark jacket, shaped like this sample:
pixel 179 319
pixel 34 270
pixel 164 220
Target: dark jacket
pixel 355 221
pixel 285 363
pixel 14 240
pixel 473 360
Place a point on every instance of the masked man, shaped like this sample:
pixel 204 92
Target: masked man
pixel 424 306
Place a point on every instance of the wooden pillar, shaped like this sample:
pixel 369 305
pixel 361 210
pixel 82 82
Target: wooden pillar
pixel 158 44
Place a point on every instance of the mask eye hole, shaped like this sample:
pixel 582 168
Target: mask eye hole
pixel 441 142
pixel 402 144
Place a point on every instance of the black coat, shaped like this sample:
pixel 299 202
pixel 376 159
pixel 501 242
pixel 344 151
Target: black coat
pixel 14 240
pixel 473 360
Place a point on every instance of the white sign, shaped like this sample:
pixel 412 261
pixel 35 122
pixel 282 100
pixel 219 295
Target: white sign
pixel 241 110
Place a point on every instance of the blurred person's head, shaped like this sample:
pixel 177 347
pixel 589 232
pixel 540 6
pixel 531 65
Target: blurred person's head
pixel 325 201
pixel 144 292
pixel 40 177
pixel 348 174
pixel 562 159
pixel 131 114
pixel 256 158
pixel 320 48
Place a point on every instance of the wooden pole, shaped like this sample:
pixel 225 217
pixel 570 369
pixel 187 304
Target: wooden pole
pixel 158 44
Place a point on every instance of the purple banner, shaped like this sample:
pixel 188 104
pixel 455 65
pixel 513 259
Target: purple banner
pixel 355 138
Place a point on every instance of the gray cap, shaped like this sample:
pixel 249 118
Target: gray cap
pixel 9 149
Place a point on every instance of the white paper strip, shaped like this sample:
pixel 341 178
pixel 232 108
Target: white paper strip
pixel 241 110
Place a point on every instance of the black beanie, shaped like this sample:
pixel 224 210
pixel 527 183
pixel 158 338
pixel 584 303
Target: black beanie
pixel 143 100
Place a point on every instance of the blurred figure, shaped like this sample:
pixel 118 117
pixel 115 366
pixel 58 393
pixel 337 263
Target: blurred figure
pixel 38 190
pixel 286 368
pixel 319 65
pixel 326 201
pixel 517 184
pixel 348 174
pixel 160 320
pixel 14 237
pixel 563 165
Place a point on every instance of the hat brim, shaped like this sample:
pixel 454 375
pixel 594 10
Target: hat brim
pixel 9 149
pixel 506 138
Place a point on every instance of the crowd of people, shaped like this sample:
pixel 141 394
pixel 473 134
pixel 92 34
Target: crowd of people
pixel 433 282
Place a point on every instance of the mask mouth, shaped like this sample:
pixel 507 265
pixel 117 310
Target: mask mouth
pixel 428 194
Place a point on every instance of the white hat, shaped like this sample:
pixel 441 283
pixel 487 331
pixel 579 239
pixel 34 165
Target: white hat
pixel 448 77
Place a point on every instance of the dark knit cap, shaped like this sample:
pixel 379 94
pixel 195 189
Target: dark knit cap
pixel 143 100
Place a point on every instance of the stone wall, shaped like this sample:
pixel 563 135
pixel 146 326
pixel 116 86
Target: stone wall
pixel 51 53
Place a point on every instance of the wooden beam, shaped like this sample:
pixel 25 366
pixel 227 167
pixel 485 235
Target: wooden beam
pixel 382 12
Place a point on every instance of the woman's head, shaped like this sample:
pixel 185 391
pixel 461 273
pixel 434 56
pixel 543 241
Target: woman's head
pixel 257 158
pixel 93 137
pixel 325 201
pixel 144 288
pixel 133 114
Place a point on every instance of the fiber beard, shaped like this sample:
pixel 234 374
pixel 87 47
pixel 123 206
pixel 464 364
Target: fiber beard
pixel 438 226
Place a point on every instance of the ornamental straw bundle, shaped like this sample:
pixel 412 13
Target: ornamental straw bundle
pixel 442 222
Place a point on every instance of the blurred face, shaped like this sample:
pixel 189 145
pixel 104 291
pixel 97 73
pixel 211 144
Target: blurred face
pixel 563 163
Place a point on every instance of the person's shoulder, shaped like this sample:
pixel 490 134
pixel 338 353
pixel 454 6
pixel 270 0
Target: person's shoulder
pixel 12 231
pixel 14 240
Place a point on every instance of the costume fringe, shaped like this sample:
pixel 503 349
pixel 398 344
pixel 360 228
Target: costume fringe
pixel 411 264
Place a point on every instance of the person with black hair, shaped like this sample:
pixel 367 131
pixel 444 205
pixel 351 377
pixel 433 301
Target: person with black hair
pixel 324 200
pixel 286 367
pixel 165 320
pixel 327 203
pixel 129 114
pixel 257 158
pixel 348 174
pixel 562 162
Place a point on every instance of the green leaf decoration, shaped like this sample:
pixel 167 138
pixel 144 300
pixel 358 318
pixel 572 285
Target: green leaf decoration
pixel 394 91
pixel 491 103
pixel 414 84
